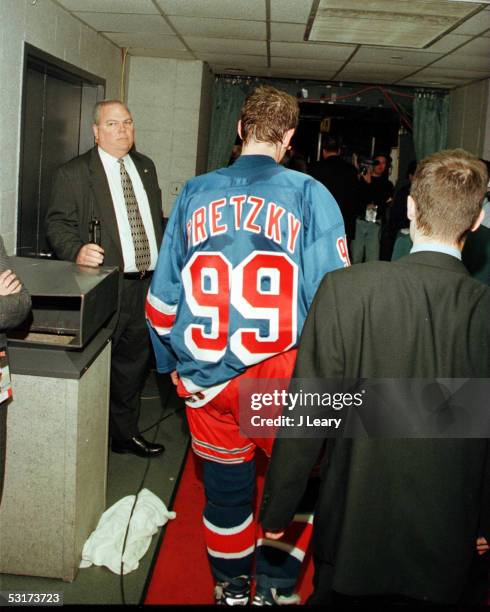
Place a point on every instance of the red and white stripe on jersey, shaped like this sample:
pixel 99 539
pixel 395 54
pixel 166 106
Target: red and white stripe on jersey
pixel 221 454
pixel 296 538
pixel 160 315
pixel 230 542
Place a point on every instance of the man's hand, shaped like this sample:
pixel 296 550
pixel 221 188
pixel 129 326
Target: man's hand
pixel 91 255
pixel 367 176
pixel 274 535
pixel 174 377
pixel 9 283
pixel 482 546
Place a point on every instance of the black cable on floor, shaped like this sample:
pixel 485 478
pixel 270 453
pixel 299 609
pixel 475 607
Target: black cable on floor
pixel 157 425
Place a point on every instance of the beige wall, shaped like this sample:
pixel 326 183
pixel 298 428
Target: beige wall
pixel 51 29
pixel 170 101
pixel 469 118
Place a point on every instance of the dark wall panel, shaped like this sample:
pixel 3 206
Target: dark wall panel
pixel 56 126
pixel 31 163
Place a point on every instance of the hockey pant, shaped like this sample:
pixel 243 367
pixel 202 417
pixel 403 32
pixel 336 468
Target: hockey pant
pixel 232 537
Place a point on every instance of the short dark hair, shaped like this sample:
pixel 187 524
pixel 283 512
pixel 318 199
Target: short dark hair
pixel 268 114
pixel 448 189
pixel 330 143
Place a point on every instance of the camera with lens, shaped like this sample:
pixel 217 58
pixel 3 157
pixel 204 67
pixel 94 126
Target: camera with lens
pixel 366 164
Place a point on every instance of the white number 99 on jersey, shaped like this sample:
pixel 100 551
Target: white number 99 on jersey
pixel 263 286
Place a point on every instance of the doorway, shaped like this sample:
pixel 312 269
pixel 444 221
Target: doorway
pixel 58 99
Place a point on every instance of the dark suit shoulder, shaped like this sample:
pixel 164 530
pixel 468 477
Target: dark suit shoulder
pixel 79 162
pixel 138 157
pixel 432 272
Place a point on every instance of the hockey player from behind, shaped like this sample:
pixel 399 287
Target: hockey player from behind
pixel 244 251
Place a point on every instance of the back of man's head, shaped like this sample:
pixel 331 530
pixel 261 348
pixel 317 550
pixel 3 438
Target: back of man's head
pixel 268 114
pixel 330 144
pixel 448 189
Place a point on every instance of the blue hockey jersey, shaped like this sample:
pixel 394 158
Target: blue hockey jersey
pixel 243 254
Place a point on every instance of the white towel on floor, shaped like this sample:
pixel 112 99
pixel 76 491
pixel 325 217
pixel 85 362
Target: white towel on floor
pixel 104 545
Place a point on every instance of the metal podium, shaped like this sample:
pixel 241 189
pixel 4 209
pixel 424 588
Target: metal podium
pixel 57 427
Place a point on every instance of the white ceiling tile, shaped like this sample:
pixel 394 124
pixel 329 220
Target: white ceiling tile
pixel 408 23
pixel 219 28
pixel 110 6
pixel 358 8
pixel 226 45
pixel 440 81
pixel 169 53
pixel 235 60
pixel 459 61
pixel 405 57
pixel 291 11
pixel 447 43
pixel 437 73
pixel 475 25
pixel 478 46
pixel 146 40
pixel 221 9
pixel 287 32
pixel 117 22
pixel 311 50
pixel 376 67
pixel 300 73
pixel 307 64
pixel 381 32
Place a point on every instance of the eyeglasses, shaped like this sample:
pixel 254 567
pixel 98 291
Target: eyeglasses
pixel 113 125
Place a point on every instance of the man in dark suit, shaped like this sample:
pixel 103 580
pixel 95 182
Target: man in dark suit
pixel 398 517
pixel 340 178
pixel 112 190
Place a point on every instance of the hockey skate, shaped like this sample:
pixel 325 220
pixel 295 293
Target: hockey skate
pixel 272 597
pixel 233 593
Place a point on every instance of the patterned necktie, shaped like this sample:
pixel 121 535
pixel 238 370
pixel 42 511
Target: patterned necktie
pixel 138 232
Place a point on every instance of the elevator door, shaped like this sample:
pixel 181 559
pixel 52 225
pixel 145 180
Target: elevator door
pixel 56 126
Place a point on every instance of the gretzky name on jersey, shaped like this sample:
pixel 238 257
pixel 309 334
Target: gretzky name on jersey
pixel 277 224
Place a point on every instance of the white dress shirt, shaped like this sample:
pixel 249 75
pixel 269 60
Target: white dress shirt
pixel 113 173
pixel 437 247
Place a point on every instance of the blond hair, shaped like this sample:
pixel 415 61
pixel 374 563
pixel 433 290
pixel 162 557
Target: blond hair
pixel 448 189
pixel 268 114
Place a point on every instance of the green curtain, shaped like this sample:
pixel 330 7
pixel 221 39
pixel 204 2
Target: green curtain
pixel 430 123
pixel 228 100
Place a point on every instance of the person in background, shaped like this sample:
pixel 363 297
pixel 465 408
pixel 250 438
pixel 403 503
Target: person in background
pixel 243 254
pixel 375 195
pixel 115 187
pixel 295 159
pixel 397 519
pixel 235 153
pixel 398 219
pixel 340 178
pixel 476 252
pixel 15 305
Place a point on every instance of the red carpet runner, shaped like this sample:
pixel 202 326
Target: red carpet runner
pixel 181 574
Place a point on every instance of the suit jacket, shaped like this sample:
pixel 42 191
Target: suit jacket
pixel 340 178
pixel 393 516
pixel 81 192
pixel 476 254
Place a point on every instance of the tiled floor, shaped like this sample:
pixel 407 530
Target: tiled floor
pixel 98 585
